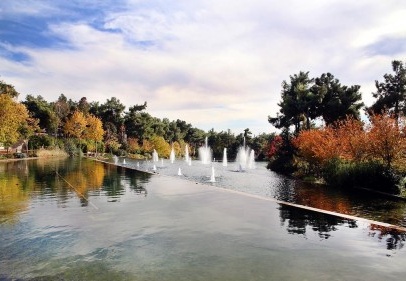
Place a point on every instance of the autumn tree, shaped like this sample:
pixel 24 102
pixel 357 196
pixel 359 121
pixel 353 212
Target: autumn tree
pixel 75 125
pixel 353 139
pixel 318 146
pixel 133 145
pixel 13 116
pixel 386 139
pixel 161 146
pixel 94 129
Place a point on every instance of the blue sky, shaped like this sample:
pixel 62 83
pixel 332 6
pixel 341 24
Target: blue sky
pixel 215 64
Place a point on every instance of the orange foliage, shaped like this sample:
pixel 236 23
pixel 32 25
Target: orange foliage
pixel 387 140
pixel 133 145
pixel 317 146
pixel 353 139
pixel 147 146
pixel 384 140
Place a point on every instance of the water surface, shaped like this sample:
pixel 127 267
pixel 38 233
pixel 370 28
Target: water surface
pixel 83 220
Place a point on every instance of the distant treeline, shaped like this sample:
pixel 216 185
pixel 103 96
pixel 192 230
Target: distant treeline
pixel 82 126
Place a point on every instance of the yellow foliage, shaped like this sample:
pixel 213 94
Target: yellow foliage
pixel 13 116
pixel 161 146
pixel 94 128
pixel 75 125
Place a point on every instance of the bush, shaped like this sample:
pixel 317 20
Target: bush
pixel 70 147
pixel 370 175
pixel 38 141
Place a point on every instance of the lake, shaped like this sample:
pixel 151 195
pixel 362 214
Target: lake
pixel 78 219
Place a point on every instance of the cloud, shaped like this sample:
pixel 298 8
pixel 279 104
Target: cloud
pixel 211 63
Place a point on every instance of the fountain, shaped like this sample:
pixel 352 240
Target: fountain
pixel 138 164
pixel 225 157
pixel 205 153
pixel 187 154
pixel 124 163
pixel 179 172
pixel 251 160
pixel 115 158
pixel 154 168
pixel 212 177
pixel 245 158
pixel 162 162
pixel 155 156
pixel 172 156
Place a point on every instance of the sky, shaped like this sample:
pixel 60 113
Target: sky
pixel 216 64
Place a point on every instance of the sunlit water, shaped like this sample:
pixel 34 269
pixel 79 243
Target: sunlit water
pixel 85 220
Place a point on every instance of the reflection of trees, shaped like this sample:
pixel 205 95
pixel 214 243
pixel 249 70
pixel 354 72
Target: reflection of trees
pixel 312 195
pixel 136 181
pixel 58 178
pixel 114 185
pixel 344 201
pixel 298 221
pixel 322 200
pixel 87 176
pixel 13 199
pixel 395 239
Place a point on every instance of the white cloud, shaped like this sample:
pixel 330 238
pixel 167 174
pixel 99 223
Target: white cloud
pixel 210 62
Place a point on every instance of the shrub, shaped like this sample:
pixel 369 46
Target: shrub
pixel 370 175
pixel 70 147
pixel 38 141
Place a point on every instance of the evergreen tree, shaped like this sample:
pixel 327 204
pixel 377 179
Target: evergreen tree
pixel 391 94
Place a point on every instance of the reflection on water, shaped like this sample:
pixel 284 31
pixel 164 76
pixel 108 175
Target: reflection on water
pixel 298 220
pixel 352 202
pixel 13 199
pixel 59 179
pixel 265 183
pixel 75 219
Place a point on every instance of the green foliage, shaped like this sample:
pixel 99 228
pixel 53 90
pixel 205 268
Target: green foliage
pixel 39 141
pixel 8 89
pixel 283 159
pixel 43 111
pixel 71 147
pixel 370 175
pixel 391 94
pixel 336 101
pixel 298 103
pixel 305 99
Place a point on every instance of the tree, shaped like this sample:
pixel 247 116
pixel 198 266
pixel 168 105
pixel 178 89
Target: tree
pixel 387 140
pixel 336 101
pixel 298 103
pixel 133 145
pixel 94 129
pixel 43 111
pixel 318 146
pixel 391 94
pixel 161 146
pixel 83 106
pixel 75 125
pixel 353 139
pixel 13 117
pixel 112 111
pixel 8 89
